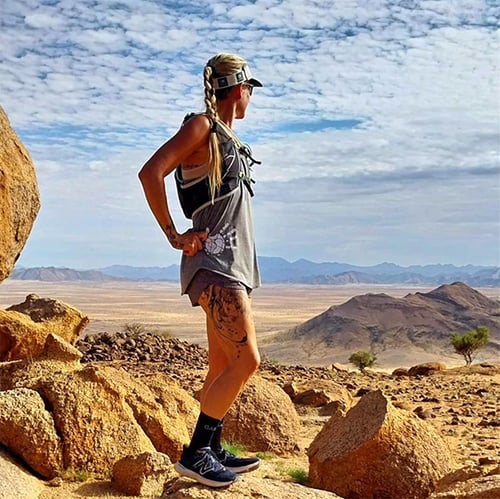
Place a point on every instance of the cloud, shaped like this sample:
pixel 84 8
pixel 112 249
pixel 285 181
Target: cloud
pixel 363 101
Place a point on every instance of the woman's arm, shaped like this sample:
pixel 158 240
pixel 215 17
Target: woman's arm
pixel 192 137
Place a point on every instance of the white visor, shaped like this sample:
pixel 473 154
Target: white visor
pixel 235 79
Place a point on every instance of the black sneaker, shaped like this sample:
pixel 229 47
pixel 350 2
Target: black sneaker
pixel 237 464
pixel 204 467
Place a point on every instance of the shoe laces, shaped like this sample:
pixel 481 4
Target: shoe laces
pixel 225 455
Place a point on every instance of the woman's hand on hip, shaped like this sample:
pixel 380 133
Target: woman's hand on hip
pixel 191 242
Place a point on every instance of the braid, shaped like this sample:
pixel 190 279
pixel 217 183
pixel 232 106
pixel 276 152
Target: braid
pixel 214 157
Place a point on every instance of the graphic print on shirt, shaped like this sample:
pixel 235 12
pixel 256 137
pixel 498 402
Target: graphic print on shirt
pixel 220 241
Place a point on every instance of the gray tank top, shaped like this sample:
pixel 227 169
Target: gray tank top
pixel 230 247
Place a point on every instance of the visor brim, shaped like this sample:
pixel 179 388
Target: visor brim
pixel 254 82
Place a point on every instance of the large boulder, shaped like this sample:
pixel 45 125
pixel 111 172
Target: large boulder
pixel 27 429
pixel 25 327
pixel 159 417
pixel 101 414
pixel 376 450
pixel 19 196
pixel 263 418
pixel 96 424
pixel 179 406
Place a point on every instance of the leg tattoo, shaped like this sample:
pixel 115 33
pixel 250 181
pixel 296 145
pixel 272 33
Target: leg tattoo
pixel 227 311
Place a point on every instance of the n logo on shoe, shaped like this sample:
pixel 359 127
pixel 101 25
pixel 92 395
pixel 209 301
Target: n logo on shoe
pixel 205 464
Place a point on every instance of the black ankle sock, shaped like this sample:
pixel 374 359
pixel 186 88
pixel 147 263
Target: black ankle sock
pixel 202 435
pixel 216 438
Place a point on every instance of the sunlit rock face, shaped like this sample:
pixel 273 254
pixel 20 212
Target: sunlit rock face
pixel 19 196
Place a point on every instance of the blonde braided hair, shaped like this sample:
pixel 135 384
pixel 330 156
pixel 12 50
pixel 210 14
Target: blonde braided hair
pixel 222 64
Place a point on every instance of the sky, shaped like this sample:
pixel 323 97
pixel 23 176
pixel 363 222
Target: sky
pixel 378 125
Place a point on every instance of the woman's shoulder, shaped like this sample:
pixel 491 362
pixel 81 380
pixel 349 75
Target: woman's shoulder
pixel 196 119
pixel 196 127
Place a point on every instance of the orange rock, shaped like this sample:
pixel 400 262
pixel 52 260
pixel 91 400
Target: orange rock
pixel 263 418
pixel 25 327
pixel 19 196
pixel 376 450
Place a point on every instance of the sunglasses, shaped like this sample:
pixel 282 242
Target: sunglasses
pixel 250 87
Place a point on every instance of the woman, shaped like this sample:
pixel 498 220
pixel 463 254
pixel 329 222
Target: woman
pixel 219 263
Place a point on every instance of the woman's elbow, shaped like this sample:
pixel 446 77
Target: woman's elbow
pixel 146 174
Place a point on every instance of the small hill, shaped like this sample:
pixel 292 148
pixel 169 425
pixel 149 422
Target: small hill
pixel 398 330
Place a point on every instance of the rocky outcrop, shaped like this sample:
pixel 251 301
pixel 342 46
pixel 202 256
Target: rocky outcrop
pixel 19 196
pixel 377 451
pixel 263 418
pixel 25 327
pixel 142 475
pixel 100 414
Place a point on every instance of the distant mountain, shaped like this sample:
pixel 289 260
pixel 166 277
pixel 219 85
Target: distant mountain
pixel 392 327
pixel 279 270
pixel 60 274
pixel 170 273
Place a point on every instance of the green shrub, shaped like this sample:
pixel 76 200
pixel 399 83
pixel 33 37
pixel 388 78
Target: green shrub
pixel 234 447
pixel 299 475
pixel 470 342
pixel 362 360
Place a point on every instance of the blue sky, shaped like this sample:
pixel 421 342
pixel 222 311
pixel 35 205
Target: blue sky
pixel 378 126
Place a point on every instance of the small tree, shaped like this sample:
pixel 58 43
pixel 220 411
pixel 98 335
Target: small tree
pixel 362 360
pixel 470 342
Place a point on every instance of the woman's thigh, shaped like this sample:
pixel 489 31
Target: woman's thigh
pixel 230 326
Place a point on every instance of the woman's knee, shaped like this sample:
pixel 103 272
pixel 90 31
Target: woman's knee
pixel 251 362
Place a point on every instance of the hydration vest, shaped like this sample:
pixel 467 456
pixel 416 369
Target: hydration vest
pixel 237 161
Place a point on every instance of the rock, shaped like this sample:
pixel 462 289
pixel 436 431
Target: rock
pixel 57 356
pixel 426 368
pixel 328 395
pixel 28 430
pixel 263 418
pixel 468 483
pixel 16 482
pixel 336 366
pixel 94 420
pixel 376 450
pixel 246 487
pixel 165 428
pixel 179 406
pixel 19 196
pixel 400 371
pixel 291 389
pixel 142 475
pixel 25 327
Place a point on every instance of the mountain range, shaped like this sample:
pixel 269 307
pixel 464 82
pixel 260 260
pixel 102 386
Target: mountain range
pixel 279 270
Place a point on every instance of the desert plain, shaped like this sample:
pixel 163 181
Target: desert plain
pixel 158 306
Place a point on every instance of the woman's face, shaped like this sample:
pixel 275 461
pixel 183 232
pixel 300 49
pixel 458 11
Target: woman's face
pixel 244 100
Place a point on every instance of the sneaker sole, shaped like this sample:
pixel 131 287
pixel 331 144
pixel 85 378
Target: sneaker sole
pixel 182 470
pixel 244 469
